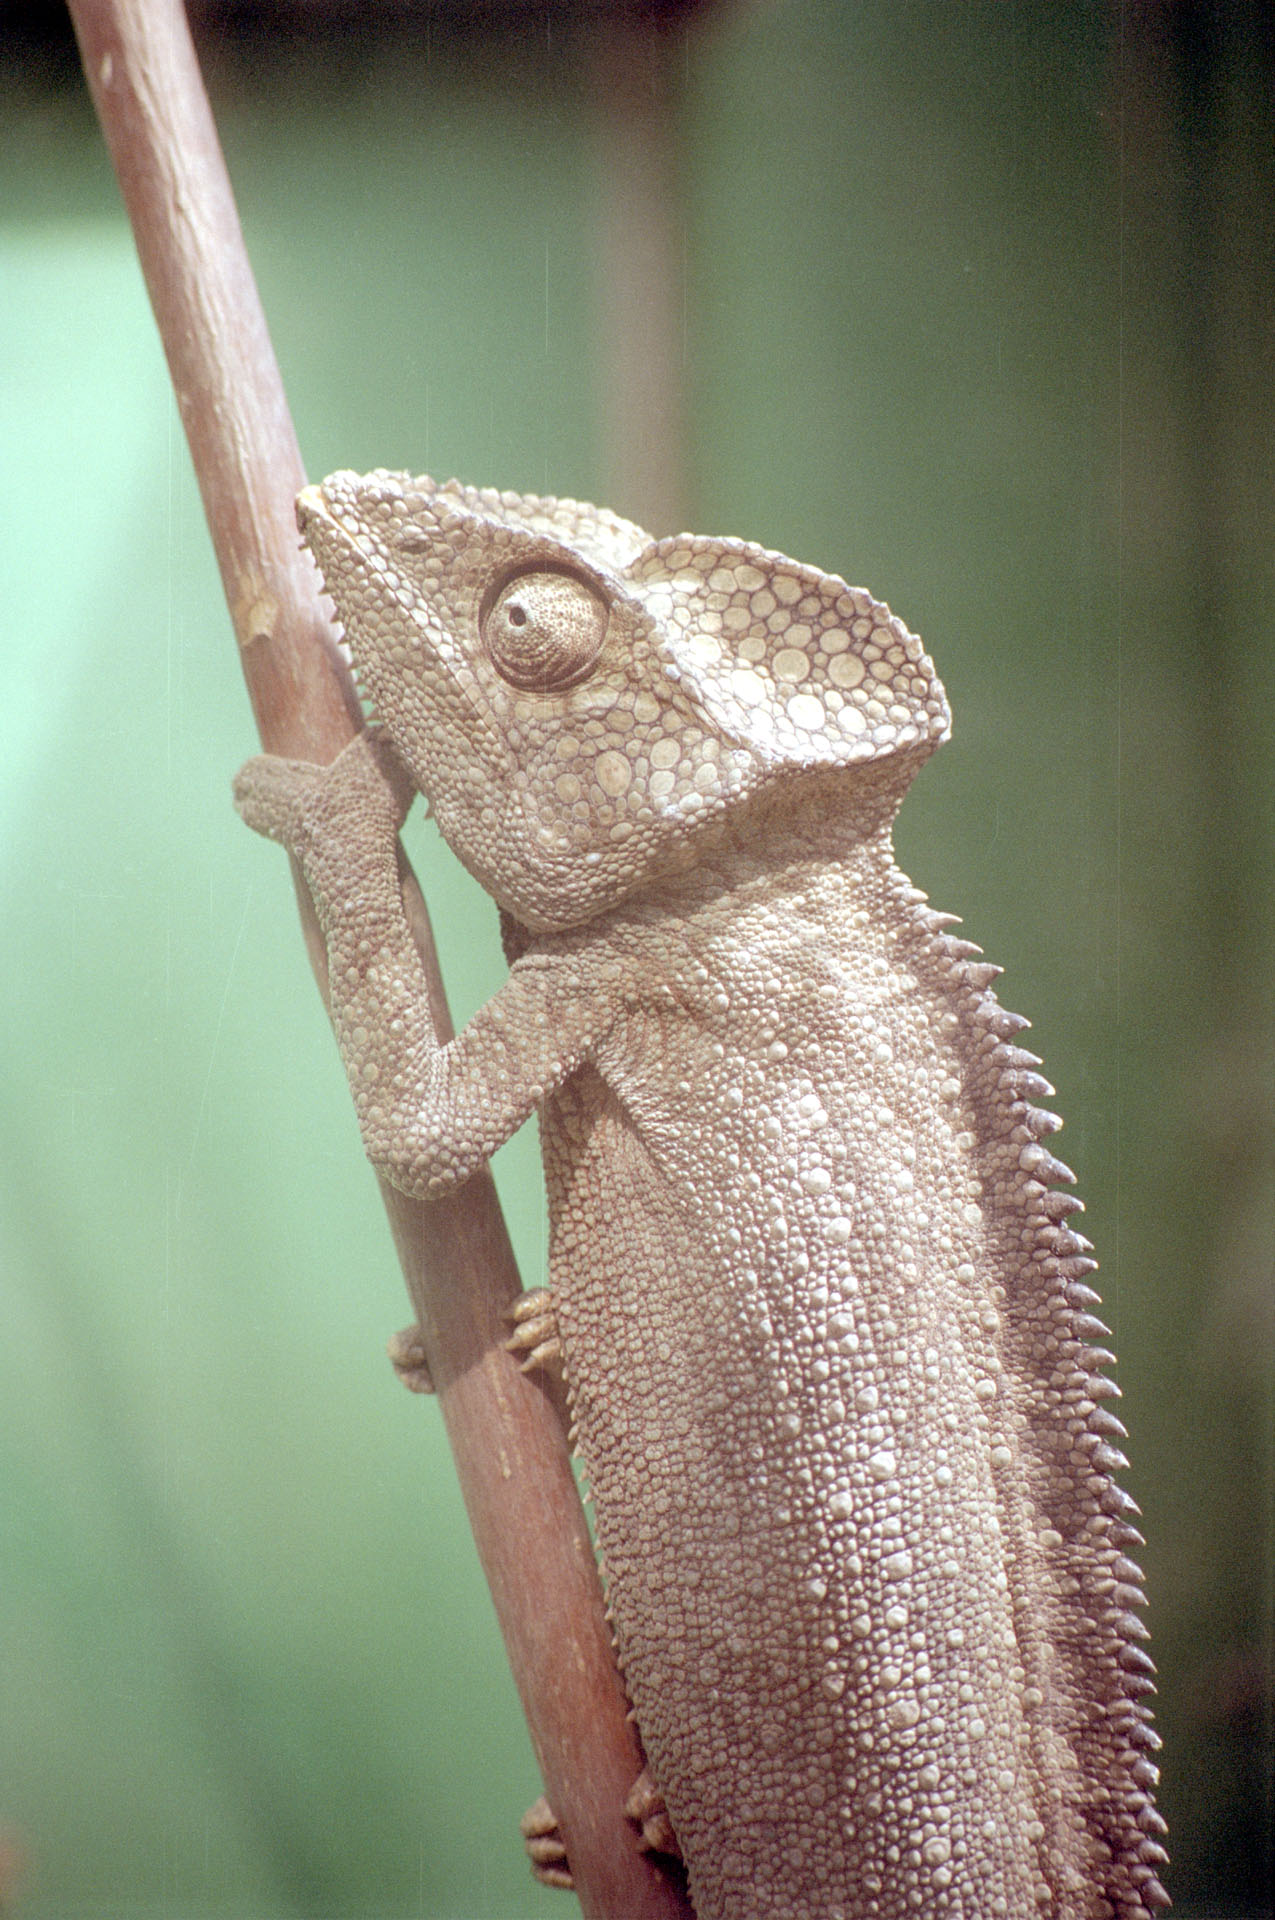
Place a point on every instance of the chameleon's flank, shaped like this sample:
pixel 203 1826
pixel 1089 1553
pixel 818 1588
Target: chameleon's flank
pixel 827 1333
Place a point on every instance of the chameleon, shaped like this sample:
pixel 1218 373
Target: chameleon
pixel 826 1330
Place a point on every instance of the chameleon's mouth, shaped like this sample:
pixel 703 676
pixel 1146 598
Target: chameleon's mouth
pixel 314 516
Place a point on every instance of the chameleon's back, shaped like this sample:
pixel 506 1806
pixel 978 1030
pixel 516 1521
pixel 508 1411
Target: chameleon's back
pixel 817 1314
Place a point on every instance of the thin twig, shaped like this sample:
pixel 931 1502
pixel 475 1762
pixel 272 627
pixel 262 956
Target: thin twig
pixel 507 1439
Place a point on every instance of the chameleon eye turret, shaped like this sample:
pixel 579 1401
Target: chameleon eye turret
pixel 545 628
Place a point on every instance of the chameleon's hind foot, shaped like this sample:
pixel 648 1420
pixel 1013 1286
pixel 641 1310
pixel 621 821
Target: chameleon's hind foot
pixel 645 1807
pixel 543 1842
pixel 534 1340
pixel 407 1356
pixel 534 1343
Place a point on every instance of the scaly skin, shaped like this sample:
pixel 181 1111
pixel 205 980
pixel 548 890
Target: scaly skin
pixel 826 1332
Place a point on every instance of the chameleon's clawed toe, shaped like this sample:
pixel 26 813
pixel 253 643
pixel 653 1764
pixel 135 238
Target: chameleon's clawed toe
pixel 407 1357
pixel 543 1842
pixel 534 1339
pixel 645 1807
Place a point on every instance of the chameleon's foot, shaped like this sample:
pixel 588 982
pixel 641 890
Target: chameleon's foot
pixel 645 1807
pixel 308 807
pixel 535 1334
pixel 272 795
pixel 543 1842
pixel 407 1356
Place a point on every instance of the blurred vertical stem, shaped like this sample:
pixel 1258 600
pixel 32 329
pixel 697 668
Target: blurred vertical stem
pixel 640 271
pixel 507 1439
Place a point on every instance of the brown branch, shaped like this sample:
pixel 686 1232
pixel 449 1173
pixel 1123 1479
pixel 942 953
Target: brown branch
pixel 507 1439
pixel 639 268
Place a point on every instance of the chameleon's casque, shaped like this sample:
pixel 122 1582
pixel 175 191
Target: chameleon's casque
pixel 827 1333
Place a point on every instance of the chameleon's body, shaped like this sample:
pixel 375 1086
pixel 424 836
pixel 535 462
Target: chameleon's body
pixel 825 1329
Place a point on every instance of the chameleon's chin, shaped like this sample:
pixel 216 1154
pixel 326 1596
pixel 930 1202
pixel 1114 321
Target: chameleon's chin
pixel 310 506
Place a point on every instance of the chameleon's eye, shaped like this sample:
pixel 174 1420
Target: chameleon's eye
pixel 545 628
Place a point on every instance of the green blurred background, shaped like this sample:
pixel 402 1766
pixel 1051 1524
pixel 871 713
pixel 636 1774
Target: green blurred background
pixel 976 309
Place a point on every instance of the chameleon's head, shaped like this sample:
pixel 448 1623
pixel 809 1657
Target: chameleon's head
pixel 578 701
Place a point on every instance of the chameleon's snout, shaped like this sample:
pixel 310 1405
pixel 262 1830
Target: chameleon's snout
pixel 310 504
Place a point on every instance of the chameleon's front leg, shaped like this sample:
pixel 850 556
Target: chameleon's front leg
pixel 430 1115
pixel 341 823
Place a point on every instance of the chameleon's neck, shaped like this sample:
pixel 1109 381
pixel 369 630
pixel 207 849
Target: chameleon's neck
pixel 805 825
